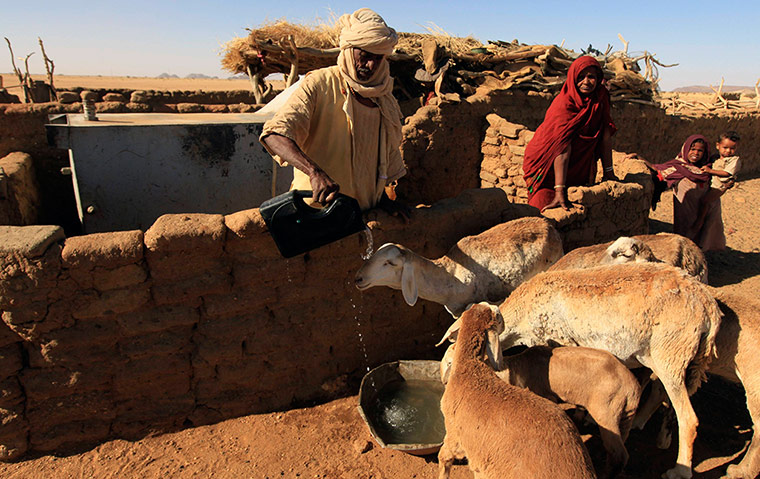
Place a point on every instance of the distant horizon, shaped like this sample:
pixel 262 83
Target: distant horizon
pixel 707 42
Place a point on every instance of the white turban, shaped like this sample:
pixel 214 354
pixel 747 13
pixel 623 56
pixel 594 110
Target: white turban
pixel 367 30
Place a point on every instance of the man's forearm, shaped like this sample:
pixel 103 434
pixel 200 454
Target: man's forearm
pixel 290 152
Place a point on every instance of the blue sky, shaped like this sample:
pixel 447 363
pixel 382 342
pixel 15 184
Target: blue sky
pixel 147 38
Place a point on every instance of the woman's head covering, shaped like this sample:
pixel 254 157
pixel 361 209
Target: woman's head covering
pixel 567 116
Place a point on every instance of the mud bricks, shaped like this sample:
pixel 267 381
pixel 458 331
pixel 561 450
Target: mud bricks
pixel 604 211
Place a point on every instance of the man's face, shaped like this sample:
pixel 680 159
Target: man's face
pixel 726 147
pixel 366 63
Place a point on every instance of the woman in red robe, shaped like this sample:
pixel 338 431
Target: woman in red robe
pixel 576 131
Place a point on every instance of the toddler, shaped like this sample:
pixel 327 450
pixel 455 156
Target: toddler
pixel 723 170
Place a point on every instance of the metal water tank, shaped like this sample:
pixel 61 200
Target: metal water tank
pixel 130 168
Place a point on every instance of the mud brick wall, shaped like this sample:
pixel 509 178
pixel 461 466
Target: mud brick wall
pixel 442 144
pixel 19 193
pixel 604 211
pixel 199 319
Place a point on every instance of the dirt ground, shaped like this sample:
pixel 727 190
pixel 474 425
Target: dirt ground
pixel 10 82
pixel 331 441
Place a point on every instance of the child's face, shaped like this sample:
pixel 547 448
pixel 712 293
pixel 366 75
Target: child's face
pixel 726 147
pixel 696 152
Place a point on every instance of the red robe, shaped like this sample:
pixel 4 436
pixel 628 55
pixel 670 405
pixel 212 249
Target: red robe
pixel 570 120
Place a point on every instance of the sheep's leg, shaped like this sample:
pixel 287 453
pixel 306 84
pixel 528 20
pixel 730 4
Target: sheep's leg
pixel 653 401
pixel 687 425
pixel 749 467
pixel 617 454
pixel 445 458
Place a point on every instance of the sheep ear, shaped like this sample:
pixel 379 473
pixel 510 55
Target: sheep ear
pixel 451 333
pixel 408 284
pixel 493 351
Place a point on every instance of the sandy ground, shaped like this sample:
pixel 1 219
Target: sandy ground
pixel 331 441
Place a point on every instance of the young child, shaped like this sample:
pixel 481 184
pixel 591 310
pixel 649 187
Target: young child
pixel 724 168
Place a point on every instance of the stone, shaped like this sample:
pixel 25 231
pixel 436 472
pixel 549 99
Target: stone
pixel 186 232
pixel 114 97
pixel 30 241
pixel 107 250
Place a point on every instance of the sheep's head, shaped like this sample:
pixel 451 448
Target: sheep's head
pixel 389 266
pixel 628 250
pixel 493 325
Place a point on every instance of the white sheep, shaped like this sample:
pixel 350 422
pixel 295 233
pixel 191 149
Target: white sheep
pixel 484 267
pixel 506 432
pixel 669 248
pixel 646 314
pixel 737 361
pixel 562 375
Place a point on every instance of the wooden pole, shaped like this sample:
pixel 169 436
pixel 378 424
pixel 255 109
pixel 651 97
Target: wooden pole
pixel 27 97
pixel 49 68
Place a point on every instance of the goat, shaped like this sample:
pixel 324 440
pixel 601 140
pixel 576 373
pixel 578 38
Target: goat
pixel 505 432
pixel 561 375
pixel 666 247
pixel 484 267
pixel 645 314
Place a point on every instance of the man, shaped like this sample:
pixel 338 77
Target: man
pixel 341 129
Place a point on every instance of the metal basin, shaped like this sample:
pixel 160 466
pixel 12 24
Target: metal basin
pixel 400 402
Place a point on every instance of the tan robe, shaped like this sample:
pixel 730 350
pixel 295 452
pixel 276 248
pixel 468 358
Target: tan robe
pixel 321 118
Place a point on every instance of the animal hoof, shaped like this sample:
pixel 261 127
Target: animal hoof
pixel 678 472
pixel 736 471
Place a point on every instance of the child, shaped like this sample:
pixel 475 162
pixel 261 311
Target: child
pixel 723 169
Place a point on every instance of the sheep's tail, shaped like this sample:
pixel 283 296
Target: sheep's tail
pixel 696 371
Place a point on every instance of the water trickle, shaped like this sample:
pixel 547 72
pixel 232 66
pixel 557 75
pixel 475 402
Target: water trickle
pixel 367 234
pixel 357 318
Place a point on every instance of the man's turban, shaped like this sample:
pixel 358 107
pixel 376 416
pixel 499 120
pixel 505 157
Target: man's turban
pixel 367 30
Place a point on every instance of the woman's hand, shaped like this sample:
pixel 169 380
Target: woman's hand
pixel 560 199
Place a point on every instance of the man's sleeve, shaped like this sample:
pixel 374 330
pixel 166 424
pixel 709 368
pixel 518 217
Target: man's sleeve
pixel 293 119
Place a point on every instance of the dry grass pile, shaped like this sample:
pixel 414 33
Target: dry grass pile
pixel 472 66
pixel 718 100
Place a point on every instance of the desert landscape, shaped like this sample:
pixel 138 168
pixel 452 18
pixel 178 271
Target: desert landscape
pixel 330 440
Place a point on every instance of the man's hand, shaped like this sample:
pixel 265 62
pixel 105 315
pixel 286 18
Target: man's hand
pixel 395 208
pixel 323 187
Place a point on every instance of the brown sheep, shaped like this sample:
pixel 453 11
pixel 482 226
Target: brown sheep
pixel 506 432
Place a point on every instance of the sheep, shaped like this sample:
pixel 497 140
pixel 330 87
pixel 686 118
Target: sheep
pixel 484 267
pixel 666 247
pixel 737 361
pixel 645 314
pixel 505 432
pixel 561 375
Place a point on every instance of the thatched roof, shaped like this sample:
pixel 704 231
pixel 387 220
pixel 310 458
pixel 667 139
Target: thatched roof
pixel 473 65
